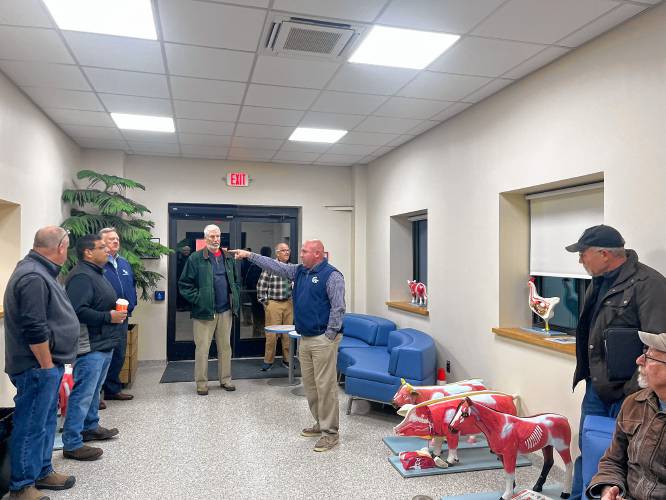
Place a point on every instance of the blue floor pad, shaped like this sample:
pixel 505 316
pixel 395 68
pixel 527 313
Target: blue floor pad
pixel 549 490
pixel 398 444
pixel 471 459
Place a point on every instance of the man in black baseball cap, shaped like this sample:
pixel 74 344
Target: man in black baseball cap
pixel 624 293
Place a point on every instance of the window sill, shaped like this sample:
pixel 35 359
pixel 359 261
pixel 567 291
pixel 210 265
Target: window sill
pixel 408 307
pixel 535 339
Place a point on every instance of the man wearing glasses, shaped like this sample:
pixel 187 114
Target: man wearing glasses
pixel 635 464
pixel 624 293
pixel 41 336
pixel 274 293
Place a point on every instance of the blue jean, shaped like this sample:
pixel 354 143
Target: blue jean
pixel 112 384
pixel 83 405
pixel 35 419
pixel 592 405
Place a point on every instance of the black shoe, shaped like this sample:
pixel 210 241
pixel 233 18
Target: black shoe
pixel 266 366
pixel 285 364
pixel 228 387
pixel 99 434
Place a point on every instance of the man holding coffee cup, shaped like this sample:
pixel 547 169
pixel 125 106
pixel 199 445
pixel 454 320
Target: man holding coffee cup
pixel 94 301
pixel 119 273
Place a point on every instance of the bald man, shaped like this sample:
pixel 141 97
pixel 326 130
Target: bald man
pixel 319 305
pixel 41 335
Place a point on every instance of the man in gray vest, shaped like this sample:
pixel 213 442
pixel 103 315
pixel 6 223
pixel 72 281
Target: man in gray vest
pixel 41 335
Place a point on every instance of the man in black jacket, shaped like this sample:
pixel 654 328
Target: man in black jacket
pixel 94 301
pixel 41 335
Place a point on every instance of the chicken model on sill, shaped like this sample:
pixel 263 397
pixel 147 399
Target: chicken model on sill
pixel 541 306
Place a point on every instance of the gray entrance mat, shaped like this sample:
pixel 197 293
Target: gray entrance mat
pixel 183 371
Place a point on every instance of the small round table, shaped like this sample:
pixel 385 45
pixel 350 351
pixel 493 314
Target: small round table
pixel 277 330
pixel 294 337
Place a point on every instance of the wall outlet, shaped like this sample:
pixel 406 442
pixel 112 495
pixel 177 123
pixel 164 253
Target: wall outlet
pixel 448 366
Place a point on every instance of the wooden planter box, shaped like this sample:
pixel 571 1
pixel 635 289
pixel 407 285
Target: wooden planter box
pixel 128 371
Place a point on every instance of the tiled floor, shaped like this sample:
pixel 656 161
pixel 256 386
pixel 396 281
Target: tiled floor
pixel 174 444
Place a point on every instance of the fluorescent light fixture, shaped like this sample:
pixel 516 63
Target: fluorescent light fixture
pixel 132 18
pixel 144 122
pixel 317 135
pixel 402 48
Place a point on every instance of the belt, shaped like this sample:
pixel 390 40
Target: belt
pixel 281 300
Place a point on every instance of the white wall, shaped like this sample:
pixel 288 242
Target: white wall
pixel 202 181
pixel 36 161
pixel 599 109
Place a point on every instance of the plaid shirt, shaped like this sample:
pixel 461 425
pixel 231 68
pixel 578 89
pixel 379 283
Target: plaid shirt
pixel 273 287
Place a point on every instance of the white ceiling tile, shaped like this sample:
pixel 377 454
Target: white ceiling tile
pixel 345 102
pixel 536 62
pixel 205 127
pixel 452 110
pixel 442 86
pixel 246 3
pixel 305 147
pixel 383 151
pixel 289 98
pixel 212 25
pixel 368 79
pixel 205 140
pixel 487 90
pixel 114 81
pixel 343 163
pixel 32 44
pixel 92 143
pixel 367 138
pixel 293 72
pixel 270 116
pixel 205 62
pixel 484 56
pixel 61 98
pixel 315 119
pixel 197 89
pixel 603 24
pixel 24 13
pixel 400 140
pixel 76 117
pixel 351 149
pixel 143 136
pixel 136 105
pixel 541 21
pixel 105 133
pixel 353 10
pixel 405 107
pixel 423 126
pixel 38 74
pixel 263 131
pixel 387 124
pixel 451 16
pixel 367 159
pixel 200 151
pixel 206 111
pixel 344 159
pixel 296 156
pixel 153 147
pixel 255 143
pixel 250 154
pixel 105 51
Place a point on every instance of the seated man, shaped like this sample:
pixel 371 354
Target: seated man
pixel 635 464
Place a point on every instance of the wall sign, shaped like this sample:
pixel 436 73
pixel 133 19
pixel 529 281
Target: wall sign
pixel 238 179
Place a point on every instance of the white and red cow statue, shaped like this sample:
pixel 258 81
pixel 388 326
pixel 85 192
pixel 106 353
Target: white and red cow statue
pixel 430 420
pixel 418 291
pixel 66 386
pixel 409 394
pixel 509 436
pixel 541 306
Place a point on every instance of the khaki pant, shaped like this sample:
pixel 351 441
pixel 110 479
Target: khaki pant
pixel 278 313
pixel 204 330
pixel 319 356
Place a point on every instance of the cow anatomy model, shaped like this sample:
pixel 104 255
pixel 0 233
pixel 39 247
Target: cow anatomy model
pixel 509 436
pixel 416 394
pixel 418 291
pixel 430 420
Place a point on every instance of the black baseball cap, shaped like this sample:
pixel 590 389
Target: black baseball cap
pixel 598 236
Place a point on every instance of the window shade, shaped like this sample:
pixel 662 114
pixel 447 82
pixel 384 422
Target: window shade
pixel 556 221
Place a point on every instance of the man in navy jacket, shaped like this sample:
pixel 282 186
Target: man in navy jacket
pixel 119 273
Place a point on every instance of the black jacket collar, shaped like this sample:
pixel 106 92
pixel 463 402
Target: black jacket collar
pixel 51 267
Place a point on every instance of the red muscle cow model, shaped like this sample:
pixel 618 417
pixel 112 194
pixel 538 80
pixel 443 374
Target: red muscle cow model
pixel 509 436
pixel 418 291
pixel 413 395
pixel 431 420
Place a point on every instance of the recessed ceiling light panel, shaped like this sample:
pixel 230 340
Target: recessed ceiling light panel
pixel 131 18
pixel 317 135
pixel 144 122
pixel 402 48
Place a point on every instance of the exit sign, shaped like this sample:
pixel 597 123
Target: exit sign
pixel 238 179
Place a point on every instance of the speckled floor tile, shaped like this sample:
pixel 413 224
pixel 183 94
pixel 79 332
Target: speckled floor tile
pixel 174 444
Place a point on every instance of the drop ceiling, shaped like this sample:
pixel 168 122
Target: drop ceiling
pixel 231 100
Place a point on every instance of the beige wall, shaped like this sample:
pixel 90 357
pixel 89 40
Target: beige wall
pixel 599 109
pixel 36 161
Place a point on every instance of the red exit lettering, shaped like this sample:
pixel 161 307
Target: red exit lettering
pixel 237 179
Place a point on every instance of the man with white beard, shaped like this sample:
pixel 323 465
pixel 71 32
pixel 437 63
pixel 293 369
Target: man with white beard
pixel 634 467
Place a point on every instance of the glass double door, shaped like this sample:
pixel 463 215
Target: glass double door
pixel 257 229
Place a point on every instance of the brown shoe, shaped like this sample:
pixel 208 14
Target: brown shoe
pixel 28 493
pixel 228 387
pixel 326 442
pixel 99 434
pixel 310 432
pixel 119 396
pixel 203 392
pixel 84 453
pixel 102 405
pixel 55 481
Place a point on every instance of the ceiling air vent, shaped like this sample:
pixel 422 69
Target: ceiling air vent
pixel 299 37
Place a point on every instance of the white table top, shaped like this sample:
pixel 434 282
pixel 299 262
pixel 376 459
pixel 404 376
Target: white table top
pixel 280 328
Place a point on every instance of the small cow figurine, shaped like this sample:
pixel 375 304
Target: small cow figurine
pixel 418 291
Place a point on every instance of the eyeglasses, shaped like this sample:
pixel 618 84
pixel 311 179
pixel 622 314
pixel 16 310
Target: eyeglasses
pixel 284 250
pixel 646 357
pixel 67 233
